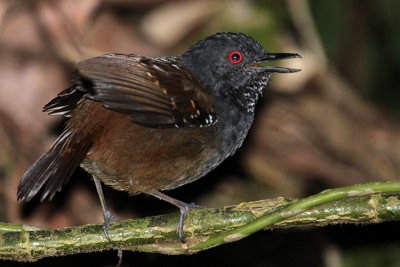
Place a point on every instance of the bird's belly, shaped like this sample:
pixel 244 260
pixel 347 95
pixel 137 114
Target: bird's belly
pixel 136 159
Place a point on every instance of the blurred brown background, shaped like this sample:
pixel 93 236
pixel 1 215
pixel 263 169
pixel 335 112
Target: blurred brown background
pixel 334 123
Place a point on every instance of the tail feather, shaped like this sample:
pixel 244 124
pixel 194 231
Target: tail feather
pixel 54 168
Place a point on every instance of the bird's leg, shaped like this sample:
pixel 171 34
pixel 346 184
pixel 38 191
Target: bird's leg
pixel 183 207
pixel 108 217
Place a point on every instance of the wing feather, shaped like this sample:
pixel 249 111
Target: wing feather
pixel 154 92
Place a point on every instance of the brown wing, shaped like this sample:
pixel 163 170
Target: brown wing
pixel 65 102
pixel 155 92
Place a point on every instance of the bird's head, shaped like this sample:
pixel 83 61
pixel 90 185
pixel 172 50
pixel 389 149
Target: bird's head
pixel 230 64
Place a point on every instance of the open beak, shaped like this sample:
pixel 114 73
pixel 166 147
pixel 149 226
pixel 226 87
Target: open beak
pixel 275 56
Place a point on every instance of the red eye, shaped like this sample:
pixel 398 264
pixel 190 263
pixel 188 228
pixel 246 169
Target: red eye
pixel 235 57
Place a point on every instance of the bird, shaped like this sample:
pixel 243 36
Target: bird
pixel 148 125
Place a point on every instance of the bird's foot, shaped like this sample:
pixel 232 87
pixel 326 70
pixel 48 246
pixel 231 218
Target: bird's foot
pixel 108 218
pixel 184 209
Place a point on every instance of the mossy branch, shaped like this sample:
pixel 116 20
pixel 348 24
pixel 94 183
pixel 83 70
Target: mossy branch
pixel 365 203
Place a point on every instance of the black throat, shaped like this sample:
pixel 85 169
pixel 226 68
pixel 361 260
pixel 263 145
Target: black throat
pixel 233 124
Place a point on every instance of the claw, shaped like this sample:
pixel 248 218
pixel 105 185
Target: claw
pixel 183 207
pixel 108 218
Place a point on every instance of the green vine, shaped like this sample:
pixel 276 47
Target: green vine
pixel 365 203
